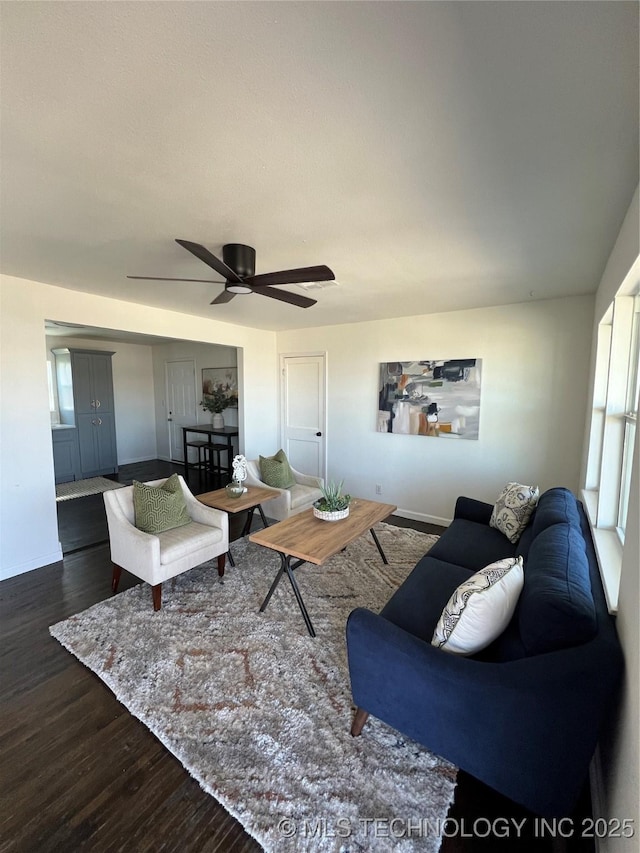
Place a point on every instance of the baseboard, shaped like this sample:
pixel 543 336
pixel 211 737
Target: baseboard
pixel 30 565
pixel 138 459
pixel 422 516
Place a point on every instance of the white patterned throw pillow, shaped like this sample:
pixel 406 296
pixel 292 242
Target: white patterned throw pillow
pixel 513 508
pixel 480 608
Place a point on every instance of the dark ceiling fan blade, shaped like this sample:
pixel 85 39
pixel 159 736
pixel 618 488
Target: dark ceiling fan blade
pixel 160 278
pixel 298 276
pixel 225 296
pixel 286 296
pixel 206 257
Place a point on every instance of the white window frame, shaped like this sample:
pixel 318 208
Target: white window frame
pixel 612 430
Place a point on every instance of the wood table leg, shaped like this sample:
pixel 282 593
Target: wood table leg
pixel 115 577
pixel 379 547
pixel 246 530
pixel 359 720
pixel 185 451
pixel 222 559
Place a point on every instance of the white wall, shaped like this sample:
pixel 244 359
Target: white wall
pixel 204 355
pixel 620 751
pixel 133 392
pixel 534 393
pixel 28 523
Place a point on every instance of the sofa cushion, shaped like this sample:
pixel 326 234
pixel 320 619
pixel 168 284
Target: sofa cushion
pixel 556 608
pixel 472 545
pixel 524 542
pixel 480 608
pixel 513 508
pixel 304 495
pixel 179 542
pixel 159 508
pixel 417 604
pixel 555 507
pixel 276 472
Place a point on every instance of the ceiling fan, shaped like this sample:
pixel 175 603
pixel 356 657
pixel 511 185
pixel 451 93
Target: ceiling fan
pixel 238 269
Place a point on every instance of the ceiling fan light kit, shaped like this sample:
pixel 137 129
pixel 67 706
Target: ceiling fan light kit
pixel 238 267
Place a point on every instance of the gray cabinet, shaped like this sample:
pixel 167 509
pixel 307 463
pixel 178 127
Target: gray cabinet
pixel 97 443
pixel 66 457
pixel 85 393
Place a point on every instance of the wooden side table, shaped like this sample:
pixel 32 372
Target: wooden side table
pixel 251 500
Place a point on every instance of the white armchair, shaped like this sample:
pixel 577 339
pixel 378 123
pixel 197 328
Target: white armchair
pixel 157 557
pixel 291 501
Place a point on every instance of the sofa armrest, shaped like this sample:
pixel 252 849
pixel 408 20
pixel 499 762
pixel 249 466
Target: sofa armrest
pixel 307 479
pixel 129 546
pixel 207 515
pixel 473 510
pixel 547 710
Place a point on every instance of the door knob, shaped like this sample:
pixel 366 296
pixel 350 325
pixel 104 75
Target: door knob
pixel 318 434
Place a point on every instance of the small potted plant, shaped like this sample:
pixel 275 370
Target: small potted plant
pixel 216 402
pixel 333 505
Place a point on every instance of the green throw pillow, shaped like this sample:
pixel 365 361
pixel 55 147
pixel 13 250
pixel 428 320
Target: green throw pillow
pixel 275 471
pixel 159 508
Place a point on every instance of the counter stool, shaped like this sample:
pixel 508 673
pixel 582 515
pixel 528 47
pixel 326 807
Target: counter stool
pixel 203 450
pixel 216 468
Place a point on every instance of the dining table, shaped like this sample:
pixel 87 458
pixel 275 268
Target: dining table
pixel 226 432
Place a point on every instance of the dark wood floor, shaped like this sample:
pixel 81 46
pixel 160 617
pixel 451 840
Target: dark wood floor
pixel 79 773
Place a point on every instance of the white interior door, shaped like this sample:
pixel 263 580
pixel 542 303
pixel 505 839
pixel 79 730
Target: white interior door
pixel 181 402
pixel 303 396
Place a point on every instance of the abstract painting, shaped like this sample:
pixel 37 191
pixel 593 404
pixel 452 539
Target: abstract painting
pixel 225 378
pixel 435 398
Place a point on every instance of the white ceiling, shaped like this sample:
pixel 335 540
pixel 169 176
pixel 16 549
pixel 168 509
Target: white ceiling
pixel 435 155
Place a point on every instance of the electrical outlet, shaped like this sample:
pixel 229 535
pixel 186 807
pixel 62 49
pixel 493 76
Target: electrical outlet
pixel 378 489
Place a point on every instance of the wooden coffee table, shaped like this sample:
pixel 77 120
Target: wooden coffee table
pixel 311 540
pixel 252 499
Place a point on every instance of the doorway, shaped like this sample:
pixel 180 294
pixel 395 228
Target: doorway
pixel 303 395
pixel 181 403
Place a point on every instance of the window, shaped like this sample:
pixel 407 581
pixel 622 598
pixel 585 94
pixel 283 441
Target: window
pixel 613 430
pixel 52 402
pixel 631 417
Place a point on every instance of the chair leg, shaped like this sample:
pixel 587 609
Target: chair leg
pixel 156 592
pixel 115 577
pixel 358 722
pixel 222 559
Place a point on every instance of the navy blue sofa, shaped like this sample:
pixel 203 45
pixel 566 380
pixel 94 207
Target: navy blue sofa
pixel 524 715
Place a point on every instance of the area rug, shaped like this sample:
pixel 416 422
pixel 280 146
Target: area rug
pixel 258 711
pixel 83 488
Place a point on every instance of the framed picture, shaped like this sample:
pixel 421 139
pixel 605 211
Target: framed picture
pixel 224 379
pixel 434 398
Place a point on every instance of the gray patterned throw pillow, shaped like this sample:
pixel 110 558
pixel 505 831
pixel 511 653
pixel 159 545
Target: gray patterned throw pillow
pixel 159 508
pixel 513 508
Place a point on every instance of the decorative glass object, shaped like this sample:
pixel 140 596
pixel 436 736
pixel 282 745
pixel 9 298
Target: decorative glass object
pixel 239 466
pixel 235 489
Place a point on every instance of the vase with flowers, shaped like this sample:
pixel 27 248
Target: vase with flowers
pixel 216 402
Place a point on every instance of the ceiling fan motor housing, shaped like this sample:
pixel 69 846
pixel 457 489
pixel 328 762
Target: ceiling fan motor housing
pixel 241 259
